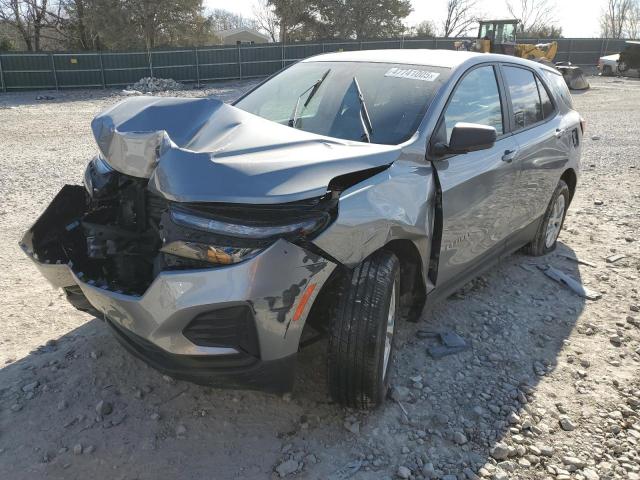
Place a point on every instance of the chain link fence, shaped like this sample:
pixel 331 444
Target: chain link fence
pixel 31 71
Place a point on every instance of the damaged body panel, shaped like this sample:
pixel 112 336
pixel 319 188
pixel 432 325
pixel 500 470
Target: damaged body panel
pixel 232 156
pixel 346 191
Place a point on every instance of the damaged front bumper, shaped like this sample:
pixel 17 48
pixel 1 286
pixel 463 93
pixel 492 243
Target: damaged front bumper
pixel 230 325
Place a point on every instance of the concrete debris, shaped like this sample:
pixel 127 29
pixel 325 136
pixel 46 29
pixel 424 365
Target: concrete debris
pixel 103 408
pixel 153 84
pixel 615 258
pixel 287 468
pixel 403 472
pixel 451 343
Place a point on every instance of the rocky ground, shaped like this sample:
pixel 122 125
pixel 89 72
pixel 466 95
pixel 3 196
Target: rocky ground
pixel 550 387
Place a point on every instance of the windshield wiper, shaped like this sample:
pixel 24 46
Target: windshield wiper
pixel 314 89
pixel 365 119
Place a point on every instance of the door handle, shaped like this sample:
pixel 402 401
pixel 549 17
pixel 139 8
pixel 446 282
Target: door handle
pixel 560 132
pixel 509 155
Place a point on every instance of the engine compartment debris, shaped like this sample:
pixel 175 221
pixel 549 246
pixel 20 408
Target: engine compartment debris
pixel 570 282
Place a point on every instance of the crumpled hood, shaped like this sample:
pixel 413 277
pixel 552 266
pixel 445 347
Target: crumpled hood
pixel 203 150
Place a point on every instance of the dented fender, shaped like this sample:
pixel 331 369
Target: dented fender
pixel 397 203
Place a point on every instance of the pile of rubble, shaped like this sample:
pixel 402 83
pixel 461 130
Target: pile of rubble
pixel 153 84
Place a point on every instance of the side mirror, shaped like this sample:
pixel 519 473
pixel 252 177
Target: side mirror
pixel 467 137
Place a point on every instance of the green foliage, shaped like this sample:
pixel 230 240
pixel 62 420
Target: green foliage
pixel 346 19
pixel 425 29
pixel 550 31
pixel 6 44
pixel 135 24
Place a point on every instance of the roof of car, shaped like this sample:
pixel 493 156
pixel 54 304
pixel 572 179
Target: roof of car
pixel 433 58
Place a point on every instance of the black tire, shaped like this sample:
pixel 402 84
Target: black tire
pixel 538 246
pixel 607 71
pixel 356 349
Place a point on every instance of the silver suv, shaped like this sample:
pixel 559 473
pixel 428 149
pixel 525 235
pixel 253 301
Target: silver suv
pixel 345 192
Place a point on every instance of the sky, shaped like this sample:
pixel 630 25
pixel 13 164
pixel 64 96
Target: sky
pixel 578 18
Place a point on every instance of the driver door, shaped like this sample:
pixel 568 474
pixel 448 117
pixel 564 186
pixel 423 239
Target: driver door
pixel 477 187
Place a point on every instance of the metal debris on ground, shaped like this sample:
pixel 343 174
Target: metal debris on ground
pixel 570 282
pixel 578 260
pixel 615 258
pixel 348 471
pixel 528 267
pixel 451 343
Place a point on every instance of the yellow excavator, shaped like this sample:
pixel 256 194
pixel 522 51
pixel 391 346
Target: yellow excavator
pixel 499 36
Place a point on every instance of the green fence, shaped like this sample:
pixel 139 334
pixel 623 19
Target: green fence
pixel 29 71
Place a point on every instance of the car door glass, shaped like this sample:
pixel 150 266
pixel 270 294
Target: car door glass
pixel 475 100
pixel 527 109
pixel 559 86
pixel 547 106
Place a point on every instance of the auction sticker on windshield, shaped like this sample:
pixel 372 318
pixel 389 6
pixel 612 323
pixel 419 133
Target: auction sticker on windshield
pixel 412 74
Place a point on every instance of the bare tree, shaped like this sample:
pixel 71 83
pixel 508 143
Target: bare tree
pixel 533 14
pixel 222 19
pixel 425 29
pixel 632 28
pixel 28 18
pixel 266 19
pixel 615 18
pixel 460 17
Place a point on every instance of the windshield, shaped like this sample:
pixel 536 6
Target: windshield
pixel 395 98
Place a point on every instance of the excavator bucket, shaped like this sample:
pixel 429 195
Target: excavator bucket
pixel 574 77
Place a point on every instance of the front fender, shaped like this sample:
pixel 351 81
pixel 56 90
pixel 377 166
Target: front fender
pixel 395 204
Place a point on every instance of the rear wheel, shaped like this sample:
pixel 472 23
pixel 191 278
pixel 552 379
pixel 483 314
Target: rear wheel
pixel 361 341
pixel 547 235
pixel 607 71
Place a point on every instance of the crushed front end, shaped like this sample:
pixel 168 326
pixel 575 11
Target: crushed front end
pixel 211 292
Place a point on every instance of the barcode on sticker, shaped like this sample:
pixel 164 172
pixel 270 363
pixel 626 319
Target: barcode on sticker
pixel 412 74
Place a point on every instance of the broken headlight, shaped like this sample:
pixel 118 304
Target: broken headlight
pixel 232 234
pixel 209 253
pixel 303 227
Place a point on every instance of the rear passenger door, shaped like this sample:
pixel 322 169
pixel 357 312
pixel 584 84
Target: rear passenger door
pixel 477 187
pixel 543 143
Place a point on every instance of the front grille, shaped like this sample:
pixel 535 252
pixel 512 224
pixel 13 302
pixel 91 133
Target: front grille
pixel 232 327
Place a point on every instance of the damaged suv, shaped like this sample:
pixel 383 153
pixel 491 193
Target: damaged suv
pixel 338 196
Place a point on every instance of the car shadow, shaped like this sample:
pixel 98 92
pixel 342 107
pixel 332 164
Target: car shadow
pixel 451 413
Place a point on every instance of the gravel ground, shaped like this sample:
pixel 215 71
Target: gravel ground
pixel 550 387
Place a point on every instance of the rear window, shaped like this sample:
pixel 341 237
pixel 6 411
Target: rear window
pixel 559 87
pixel 525 99
pixel 396 97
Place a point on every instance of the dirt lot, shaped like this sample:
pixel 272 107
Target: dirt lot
pixel 549 389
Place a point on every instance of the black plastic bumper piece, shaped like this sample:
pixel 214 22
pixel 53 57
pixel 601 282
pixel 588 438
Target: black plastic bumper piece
pixel 240 371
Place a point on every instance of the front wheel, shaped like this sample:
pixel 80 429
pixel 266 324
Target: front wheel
pixel 552 221
pixel 361 340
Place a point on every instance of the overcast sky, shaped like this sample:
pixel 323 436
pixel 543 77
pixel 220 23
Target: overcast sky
pixel 578 18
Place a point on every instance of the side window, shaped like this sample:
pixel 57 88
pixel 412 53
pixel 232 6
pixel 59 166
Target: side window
pixel 558 85
pixel 547 106
pixel 476 99
pixel 525 99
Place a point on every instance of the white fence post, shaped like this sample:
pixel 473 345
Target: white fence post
pixel 55 73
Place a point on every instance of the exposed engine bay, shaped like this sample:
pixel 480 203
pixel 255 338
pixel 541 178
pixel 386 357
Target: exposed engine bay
pixel 118 235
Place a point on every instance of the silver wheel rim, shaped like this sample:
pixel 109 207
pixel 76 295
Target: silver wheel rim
pixel 555 221
pixel 391 324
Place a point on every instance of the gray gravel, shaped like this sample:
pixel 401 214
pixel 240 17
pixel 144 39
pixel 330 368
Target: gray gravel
pixel 80 407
